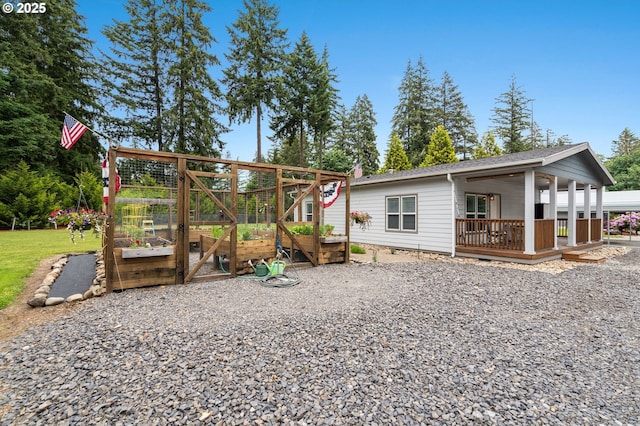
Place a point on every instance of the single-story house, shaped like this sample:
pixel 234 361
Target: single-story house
pixel 488 208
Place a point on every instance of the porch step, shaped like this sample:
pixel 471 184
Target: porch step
pixel 582 256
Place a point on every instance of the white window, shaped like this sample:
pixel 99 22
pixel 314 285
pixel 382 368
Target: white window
pixel 402 213
pixel 476 206
pixel 308 211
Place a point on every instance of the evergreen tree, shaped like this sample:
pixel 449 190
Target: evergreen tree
pixel 295 112
pixel 395 159
pixel 487 147
pixel 452 113
pixel 46 69
pixel 191 115
pixel 511 118
pixel 552 140
pixel 535 140
pixel 255 60
pixel 440 149
pixel 26 196
pixel 336 161
pixel 135 75
pixel 340 136
pixel 414 116
pixel 626 143
pixel 324 103
pixel 363 137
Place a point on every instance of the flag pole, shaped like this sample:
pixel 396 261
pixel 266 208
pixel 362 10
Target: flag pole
pixel 93 131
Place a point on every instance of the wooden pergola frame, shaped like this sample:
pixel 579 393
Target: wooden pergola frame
pixel 184 178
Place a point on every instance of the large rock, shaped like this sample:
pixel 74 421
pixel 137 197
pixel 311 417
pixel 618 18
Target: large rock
pixel 37 301
pixel 49 279
pixel 75 298
pixel 52 301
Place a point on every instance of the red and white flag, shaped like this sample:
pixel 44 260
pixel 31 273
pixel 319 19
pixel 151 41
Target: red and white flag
pixel 72 129
pixel 357 172
pixel 105 181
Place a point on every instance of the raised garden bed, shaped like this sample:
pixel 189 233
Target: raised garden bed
pixel 143 271
pixel 130 252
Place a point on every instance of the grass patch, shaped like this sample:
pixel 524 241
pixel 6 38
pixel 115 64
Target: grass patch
pixel 357 249
pixel 22 251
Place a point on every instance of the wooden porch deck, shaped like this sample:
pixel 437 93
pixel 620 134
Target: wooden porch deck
pixel 506 255
pixel 503 239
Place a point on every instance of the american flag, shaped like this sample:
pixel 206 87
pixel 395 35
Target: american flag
pixel 357 172
pixel 72 129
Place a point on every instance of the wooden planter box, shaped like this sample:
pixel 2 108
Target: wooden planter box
pixel 136 271
pixel 128 253
pixel 246 250
pixel 332 248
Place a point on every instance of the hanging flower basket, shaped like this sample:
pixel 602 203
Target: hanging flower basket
pixel 363 219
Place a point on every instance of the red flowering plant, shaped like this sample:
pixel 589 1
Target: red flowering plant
pixel 361 218
pixel 78 221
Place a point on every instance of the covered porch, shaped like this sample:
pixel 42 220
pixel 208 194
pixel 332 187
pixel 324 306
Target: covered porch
pixel 504 239
pixel 511 212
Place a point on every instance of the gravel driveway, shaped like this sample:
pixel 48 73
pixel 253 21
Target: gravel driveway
pixel 432 342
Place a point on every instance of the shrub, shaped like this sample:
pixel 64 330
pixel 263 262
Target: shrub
pixel 357 249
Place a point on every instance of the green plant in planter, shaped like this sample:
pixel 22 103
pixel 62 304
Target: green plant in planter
pixel 217 231
pixel 246 235
pixel 308 229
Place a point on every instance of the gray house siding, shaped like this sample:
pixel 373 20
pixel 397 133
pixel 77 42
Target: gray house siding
pixel 575 168
pixel 434 217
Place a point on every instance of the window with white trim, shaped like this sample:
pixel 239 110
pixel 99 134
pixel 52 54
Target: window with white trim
pixel 401 213
pixel 308 211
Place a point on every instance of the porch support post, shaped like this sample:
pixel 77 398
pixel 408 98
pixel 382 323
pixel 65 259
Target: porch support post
pixel 553 207
pixel 571 214
pixel 599 213
pixel 529 205
pixel 587 209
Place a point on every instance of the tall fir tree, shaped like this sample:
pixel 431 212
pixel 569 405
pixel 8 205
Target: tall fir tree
pixel 195 95
pixel 256 53
pixel 134 75
pixel 340 136
pixel 363 137
pixel 440 149
pixel 511 117
pixel 451 112
pixel 395 158
pixel 626 143
pixel 414 116
pixel 324 104
pixel 47 68
pixel 295 112
pixel 487 147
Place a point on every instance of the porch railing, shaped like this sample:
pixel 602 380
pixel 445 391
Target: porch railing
pixel 581 229
pixel 508 234
pixel 543 235
pixel 504 234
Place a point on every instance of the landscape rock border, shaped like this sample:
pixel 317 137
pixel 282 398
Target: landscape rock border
pixel 98 286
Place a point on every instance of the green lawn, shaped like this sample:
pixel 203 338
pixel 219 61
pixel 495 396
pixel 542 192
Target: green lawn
pixel 22 251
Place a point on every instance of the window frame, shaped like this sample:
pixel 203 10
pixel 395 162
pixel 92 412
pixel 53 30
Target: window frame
pixel 308 216
pixel 401 214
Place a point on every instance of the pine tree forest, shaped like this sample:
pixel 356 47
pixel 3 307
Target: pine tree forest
pixel 160 84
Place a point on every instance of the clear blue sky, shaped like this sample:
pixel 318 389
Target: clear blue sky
pixel 578 60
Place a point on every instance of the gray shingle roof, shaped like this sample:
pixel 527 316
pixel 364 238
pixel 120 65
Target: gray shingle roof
pixel 525 158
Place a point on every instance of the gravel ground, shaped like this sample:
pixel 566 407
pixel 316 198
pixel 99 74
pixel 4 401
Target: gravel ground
pixel 432 342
